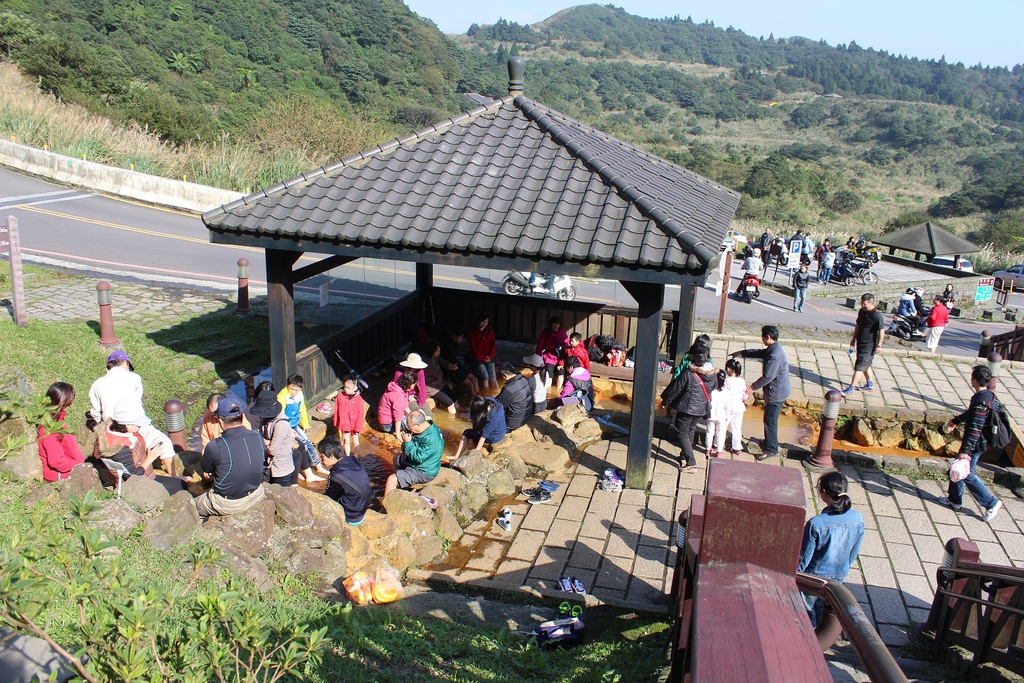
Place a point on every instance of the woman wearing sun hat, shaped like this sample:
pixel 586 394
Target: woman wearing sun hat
pixel 415 363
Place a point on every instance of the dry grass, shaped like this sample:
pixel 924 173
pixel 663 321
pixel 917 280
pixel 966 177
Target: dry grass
pixel 292 137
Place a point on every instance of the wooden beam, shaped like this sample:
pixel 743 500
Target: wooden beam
pixel 650 299
pixel 281 308
pixel 589 270
pixel 424 277
pixel 687 312
pixel 314 269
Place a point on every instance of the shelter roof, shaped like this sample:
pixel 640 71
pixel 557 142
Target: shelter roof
pixel 511 178
pixel 928 239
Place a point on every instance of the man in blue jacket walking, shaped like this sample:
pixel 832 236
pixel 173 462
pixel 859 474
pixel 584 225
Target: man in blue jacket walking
pixel 774 380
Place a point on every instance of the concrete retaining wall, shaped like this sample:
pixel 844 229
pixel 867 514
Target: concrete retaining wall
pixel 89 175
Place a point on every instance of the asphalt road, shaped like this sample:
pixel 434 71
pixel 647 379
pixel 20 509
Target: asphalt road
pixel 92 233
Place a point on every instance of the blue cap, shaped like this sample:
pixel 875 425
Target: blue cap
pixel 229 406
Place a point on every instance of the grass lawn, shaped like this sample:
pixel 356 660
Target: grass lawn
pixel 372 644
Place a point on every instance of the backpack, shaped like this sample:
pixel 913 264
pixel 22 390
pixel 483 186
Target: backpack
pixel 997 432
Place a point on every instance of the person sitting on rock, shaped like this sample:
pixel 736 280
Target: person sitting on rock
pixel 234 462
pixel 293 401
pixel 122 384
pixel 487 416
pixel 394 403
pixel 348 483
pixel 414 365
pixel 576 348
pixel 579 387
pixel 127 421
pixel 58 452
pixel 516 396
pixel 210 427
pixel 420 459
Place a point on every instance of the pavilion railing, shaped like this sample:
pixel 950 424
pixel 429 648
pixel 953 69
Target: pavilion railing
pixel 1009 345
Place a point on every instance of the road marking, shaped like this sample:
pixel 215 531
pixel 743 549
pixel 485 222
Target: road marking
pixel 54 201
pixel 40 195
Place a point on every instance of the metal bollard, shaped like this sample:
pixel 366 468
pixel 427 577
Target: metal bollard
pixel 103 298
pixel 243 287
pixel 993 361
pixel 986 344
pixel 175 414
pixel 823 451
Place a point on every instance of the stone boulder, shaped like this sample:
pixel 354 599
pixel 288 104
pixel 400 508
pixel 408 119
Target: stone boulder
pixel 83 478
pixel 860 433
pixel 446 476
pixel 23 463
pixel 328 516
pixel 953 448
pixel 933 441
pixel 239 564
pixel 476 497
pixel 44 493
pixel 402 554
pixel 249 531
pixel 933 465
pixel 358 554
pixel 587 430
pixel 474 466
pixel 428 549
pixel 334 564
pixel 290 506
pixel 115 518
pixel 316 430
pixel 175 525
pixel 144 493
pixel 23 466
pixel 407 502
pixel 547 457
pixel 377 525
pixel 500 484
pixel 447 525
pixel 187 462
pixel 911 444
pixel 569 416
pixel 305 561
pixel 444 495
pixel 890 437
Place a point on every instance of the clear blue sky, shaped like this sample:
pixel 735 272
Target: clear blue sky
pixel 986 31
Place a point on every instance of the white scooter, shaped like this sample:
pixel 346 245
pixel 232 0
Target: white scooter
pixel 518 282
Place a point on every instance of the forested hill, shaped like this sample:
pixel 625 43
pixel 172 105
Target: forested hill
pixel 607 32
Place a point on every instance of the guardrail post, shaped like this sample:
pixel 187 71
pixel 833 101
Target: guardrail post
pixel 243 287
pixel 103 298
pixel 822 456
pixel 993 361
pixel 986 344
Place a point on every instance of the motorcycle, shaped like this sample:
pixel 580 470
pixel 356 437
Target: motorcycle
pixel 906 329
pixel 850 269
pixel 517 282
pixel 749 287
pixel 867 251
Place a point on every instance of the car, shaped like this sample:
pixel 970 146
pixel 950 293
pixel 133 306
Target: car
pixel 734 241
pixel 1011 277
pixel 947 262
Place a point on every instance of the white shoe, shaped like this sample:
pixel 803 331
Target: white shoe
pixel 991 513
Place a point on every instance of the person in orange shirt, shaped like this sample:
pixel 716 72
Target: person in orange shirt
pixel 211 427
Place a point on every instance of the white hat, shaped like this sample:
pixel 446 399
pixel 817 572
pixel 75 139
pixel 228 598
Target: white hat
pixel 129 412
pixel 413 361
pixel 534 361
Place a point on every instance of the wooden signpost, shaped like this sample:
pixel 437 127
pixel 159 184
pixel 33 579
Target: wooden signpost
pixel 10 244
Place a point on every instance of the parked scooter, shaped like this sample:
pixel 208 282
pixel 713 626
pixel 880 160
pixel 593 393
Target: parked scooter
pixel 866 250
pixel 850 269
pixel 750 287
pixel 904 328
pixel 517 282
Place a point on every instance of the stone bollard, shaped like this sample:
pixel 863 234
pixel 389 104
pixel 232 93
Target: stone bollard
pixel 994 360
pixel 103 298
pixel 175 414
pixel 957 550
pixel 986 344
pixel 243 287
pixel 822 456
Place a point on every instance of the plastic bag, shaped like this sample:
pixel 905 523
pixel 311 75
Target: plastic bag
pixel 960 470
pixel 359 588
pixel 386 588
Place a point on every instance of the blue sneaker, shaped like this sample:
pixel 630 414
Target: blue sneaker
pixel 870 386
pixel 848 391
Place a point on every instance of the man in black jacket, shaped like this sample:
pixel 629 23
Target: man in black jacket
pixel 516 396
pixel 774 380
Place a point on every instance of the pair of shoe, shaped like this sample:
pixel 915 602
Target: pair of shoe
pixel 540 496
pixel 570 584
pixel 990 514
pixel 504 520
pixel 736 451
pixel 870 386
pixel 545 485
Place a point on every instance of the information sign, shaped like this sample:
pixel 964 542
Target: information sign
pixel 984 292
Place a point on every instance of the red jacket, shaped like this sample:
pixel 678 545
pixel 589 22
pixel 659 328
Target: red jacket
pixel 580 351
pixel 547 345
pixel 482 344
pixel 59 453
pixel 348 412
pixel 393 403
pixel 939 316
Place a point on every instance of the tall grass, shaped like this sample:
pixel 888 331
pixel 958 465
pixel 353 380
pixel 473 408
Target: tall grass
pixel 292 137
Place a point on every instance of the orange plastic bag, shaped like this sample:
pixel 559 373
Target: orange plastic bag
pixel 359 588
pixel 386 588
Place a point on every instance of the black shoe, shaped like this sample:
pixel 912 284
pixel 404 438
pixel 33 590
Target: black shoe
pixel 539 497
pixel 765 456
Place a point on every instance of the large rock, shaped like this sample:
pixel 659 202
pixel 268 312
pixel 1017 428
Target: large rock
pixel 23 463
pixel 328 516
pixel 569 416
pixel 447 525
pixel 446 476
pixel 115 518
pixel 239 564
pixel 953 448
pixel 444 495
pixel 175 525
pixel 249 531
pixel 187 462
pixel 474 466
pixel 428 549
pixel 44 493
pixel 500 484
pixel 144 493
pixel 402 554
pixel 860 433
pixel 23 466
pixel 516 467
pixel 546 456
pixel 83 478
pixel 305 561
pixel 890 437
pixel 587 430
pixel 476 497
pixel 376 525
pixel 334 564
pixel 291 506
pixel 316 430
pixel 406 502
pixel 933 465
pixel 934 442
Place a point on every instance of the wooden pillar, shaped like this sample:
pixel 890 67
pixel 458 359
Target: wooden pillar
pixel 424 277
pixel 687 313
pixel 281 305
pixel 650 299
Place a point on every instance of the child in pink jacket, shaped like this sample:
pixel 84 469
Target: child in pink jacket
pixel 348 414
pixel 394 403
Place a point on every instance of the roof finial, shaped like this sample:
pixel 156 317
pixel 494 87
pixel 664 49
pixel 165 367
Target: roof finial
pixel 516 70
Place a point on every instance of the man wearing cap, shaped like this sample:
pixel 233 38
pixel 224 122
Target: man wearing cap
pixel 234 462
pixel 119 385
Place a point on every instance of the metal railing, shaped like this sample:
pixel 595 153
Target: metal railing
pixel 1009 345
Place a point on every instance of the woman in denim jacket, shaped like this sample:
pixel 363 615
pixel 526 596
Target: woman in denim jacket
pixel 831 539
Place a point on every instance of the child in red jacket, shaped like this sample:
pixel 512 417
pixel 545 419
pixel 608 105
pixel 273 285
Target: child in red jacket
pixel 59 453
pixel 348 414
pixel 577 349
